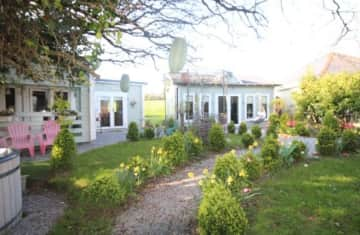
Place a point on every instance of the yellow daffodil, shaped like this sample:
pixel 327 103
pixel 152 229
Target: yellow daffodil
pixel 242 173
pixel 191 175
pixel 136 169
pixel 196 140
pixel 251 147
pixel 229 180
pixel 159 151
pixel 205 171
pixel 213 176
pixel 201 182
pixel 212 181
pixel 122 165
pixel 255 144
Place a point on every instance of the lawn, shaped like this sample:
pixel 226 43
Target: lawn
pixel 322 198
pixel 154 111
pixel 94 163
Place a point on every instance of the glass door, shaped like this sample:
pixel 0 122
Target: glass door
pixel 234 109
pixel 104 112
pixel 118 111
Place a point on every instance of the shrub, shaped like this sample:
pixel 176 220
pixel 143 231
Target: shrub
pixel 247 139
pixel 227 169
pixel 331 121
pixel 170 123
pixel 63 150
pixel 270 153
pixel 193 144
pixel 231 127
pixel 256 131
pixel 104 192
pixel 174 146
pixel 300 149
pixel 242 128
pixel 133 132
pixel 326 141
pixel 349 141
pixel 301 130
pixel 252 165
pixel 216 138
pixel 220 213
pixel 149 132
pixel 273 126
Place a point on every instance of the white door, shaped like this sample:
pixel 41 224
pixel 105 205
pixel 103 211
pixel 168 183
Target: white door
pixel 111 111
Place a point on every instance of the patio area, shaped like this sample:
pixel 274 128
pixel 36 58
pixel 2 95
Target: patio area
pixel 102 139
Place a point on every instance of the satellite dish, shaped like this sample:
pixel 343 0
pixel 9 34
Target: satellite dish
pixel 124 83
pixel 177 55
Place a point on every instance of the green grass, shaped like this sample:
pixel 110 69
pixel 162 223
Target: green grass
pixel 322 198
pixel 79 218
pixel 154 111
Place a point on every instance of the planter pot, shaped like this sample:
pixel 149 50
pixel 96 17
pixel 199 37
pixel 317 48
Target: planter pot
pixel 6 118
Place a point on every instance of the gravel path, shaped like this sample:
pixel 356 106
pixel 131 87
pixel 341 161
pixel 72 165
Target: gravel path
pixel 40 212
pixel 167 207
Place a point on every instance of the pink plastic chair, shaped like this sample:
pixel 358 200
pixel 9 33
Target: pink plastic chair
pixel 21 138
pixel 50 131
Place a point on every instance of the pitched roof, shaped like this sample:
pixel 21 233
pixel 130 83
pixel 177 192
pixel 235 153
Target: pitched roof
pixel 336 63
pixel 226 78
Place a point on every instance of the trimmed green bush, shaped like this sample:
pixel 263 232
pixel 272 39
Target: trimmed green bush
pixel 349 141
pixel 220 213
pixel 193 144
pixel 174 146
pixel 149 132
pixel 227 169
pixel 216 138
pixel 300 150
pixel 270 153
pixel 133 132
pixel 300 129
pixel 256 131
pixel 274 125
pixel 331 121
pixel 63 150
pixel 247 139
pixel 104 192
pixel 242 128
pixel 252 165
pixel 326 141
pixel 231 127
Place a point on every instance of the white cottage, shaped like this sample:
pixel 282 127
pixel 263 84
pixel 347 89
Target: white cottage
pixel 210 95
pixel 100 105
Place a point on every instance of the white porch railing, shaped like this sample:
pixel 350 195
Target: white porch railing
pixel 36 120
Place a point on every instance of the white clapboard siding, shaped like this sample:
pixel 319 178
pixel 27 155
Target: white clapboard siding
pixel 10 191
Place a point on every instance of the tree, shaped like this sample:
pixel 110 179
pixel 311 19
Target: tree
pixel 338 93
pixel 60 39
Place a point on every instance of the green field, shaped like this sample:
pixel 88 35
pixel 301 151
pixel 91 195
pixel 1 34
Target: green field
pixel 154 111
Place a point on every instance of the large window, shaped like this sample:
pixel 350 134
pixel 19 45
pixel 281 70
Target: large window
pixel 189 108
pixel 39 101
pixel 10 98
pixel 205 100
pixel 249 107
pixel 222 104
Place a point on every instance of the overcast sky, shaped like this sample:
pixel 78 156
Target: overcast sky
pixel 296 36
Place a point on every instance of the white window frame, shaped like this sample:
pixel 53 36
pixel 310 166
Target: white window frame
pixel 185 96
pixel 267 103
pixel 48 95
pixel 253 95
pixel 239 95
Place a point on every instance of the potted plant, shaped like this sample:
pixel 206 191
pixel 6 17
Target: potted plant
pixel 63 111
pixel 7 115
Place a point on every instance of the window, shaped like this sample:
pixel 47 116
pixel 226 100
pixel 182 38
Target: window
pixel 39 101
pixel 222 104
pixel 263 105
pixel 10 98
pixel 77 93
pixel 189 108
pixel 205 106
pixel 249 107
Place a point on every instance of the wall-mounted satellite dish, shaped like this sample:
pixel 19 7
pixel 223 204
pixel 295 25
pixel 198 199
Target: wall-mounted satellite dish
pixel 177 55
pixel 124 83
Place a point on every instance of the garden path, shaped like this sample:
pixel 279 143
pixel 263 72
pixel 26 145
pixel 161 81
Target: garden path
pixel 168 206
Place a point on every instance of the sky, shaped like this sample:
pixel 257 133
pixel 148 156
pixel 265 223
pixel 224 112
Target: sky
pixel 295 36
